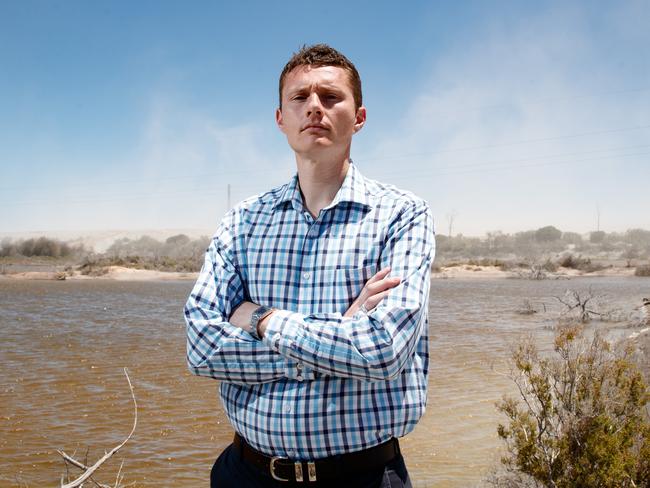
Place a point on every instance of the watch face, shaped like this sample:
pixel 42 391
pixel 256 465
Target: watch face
pixel 255 318
pixel 259 313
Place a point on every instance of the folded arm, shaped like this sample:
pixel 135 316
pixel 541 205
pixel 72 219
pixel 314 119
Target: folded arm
pixel 217 348
pixel 377 345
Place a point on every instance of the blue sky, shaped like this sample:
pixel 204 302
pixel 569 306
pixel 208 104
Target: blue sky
pixel 506 115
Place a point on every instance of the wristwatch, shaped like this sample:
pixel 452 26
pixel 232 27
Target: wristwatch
pixel 256 318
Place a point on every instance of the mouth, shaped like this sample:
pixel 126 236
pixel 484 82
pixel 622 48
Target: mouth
pixel 314 127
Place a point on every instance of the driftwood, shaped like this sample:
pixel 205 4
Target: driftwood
pixel 573 300
pixel 88 471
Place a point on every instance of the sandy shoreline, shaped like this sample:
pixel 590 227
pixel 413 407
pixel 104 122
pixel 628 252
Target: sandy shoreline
pixel 116 273
pixel 469 271
pixel 463 271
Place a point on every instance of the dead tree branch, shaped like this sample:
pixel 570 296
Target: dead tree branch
pixel 573 300
pixel 90 470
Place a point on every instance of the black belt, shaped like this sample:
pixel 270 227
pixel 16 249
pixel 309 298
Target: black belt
pixel 284 469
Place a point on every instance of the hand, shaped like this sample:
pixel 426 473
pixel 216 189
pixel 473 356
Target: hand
pixel 374 291
pixel 241 316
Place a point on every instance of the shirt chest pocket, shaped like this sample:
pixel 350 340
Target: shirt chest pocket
pixel 342 286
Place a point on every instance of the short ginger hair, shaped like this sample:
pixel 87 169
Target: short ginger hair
pixel 319 55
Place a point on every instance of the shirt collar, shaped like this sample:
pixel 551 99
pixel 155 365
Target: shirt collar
pixel 352 190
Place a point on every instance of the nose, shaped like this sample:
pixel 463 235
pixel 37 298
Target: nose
pixel 314 104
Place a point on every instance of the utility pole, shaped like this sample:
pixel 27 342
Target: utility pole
pixel 450 220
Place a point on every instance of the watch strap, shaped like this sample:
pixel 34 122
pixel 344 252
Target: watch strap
pixel 258 315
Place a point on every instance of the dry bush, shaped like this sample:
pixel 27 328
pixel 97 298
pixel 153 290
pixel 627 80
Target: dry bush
pixel 643 270
pixel 535 272
pixel 549 266
pixel 39 247
pixel 93 268
pixel 579 263
pixel 527 308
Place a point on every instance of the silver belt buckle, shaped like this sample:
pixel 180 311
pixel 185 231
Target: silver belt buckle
pixel 311 471
pixel 272 468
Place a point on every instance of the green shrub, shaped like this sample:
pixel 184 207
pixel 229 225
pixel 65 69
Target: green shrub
pixel 580 419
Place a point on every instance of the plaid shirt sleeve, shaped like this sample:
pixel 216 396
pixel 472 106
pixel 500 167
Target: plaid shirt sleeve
pixel 376 346
pixel 216 348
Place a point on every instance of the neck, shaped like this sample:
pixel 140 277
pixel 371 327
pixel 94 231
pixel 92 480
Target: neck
pixel 320 181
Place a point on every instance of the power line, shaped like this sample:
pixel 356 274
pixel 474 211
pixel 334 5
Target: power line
pixel 403 176
pixel 196 193
pixel 523 160
pixel 513 143
pixel 231 172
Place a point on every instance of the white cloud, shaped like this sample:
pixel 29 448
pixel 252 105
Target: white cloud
pixel 487 130
pixel 188 158
pixel 174 176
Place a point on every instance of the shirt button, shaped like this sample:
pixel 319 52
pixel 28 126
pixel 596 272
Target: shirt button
pixel 306 275
pixel 287 408
pixel 299 366
pixel 299 377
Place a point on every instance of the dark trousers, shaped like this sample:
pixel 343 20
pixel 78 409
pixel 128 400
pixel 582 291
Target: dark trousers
pixel 230 471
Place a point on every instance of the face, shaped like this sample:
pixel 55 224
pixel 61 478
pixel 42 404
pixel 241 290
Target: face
pixel 318 115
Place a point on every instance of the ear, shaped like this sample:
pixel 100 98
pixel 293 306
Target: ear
pixel 278 118
pixel 360 119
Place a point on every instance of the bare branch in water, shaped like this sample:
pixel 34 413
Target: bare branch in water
pixel 90 470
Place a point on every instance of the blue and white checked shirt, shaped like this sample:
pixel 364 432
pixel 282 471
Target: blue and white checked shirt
pixel 318 384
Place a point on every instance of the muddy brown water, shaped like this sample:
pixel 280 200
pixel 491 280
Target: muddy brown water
pixel 64 346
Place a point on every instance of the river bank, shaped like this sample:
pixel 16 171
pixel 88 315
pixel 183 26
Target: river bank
pixel 456 271
pixel 116 273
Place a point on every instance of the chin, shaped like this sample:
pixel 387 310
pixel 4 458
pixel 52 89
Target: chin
pixel 318 146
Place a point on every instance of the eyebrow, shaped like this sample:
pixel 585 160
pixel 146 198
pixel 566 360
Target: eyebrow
pixel 322 86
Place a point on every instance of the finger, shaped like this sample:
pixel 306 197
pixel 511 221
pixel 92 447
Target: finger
pixel 384 284
pixel 372 302
pixel 379 275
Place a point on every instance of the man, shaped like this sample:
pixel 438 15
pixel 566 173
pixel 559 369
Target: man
pixel 322 356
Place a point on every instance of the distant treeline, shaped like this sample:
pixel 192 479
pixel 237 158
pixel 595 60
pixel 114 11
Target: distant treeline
pixel 177 253
pixel 41 247
pixel 181 253
pixel 177 246
pixel 535 244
